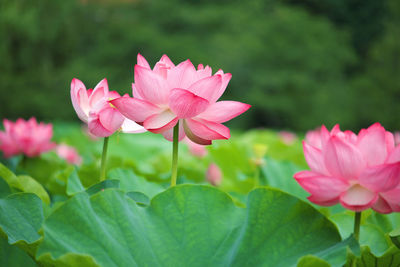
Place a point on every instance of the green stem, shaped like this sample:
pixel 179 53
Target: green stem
pixel 357 221
pixel 175 143
pixel 103 160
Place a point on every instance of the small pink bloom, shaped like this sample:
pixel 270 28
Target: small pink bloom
pixel 68 153
pixel 214 175
pixel 196 149
pixel 287 137
pixel 359 171
pixel 314 137
pixel 26 137
pixel 93 108
pixel 166 94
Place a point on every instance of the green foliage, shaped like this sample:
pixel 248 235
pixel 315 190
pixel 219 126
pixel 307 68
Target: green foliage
pixel 186 225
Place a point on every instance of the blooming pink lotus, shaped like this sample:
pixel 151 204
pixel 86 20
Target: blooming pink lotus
pixel 359 171
pixel 26 137
pixel 68 153
pixel 166 94
pixel 214 174
pixel 93 108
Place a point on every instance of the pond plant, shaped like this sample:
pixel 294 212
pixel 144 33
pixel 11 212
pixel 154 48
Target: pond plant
pixel 231 203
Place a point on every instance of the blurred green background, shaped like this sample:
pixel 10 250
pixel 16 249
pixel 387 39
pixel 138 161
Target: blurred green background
pixel 300 63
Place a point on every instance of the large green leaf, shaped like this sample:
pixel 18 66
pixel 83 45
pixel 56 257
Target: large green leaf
pixel 24 183
pixel 13 256
pixel 186 225
pixel 21 217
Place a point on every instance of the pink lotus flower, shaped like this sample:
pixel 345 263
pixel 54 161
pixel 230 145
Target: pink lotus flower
pixel 93 108
pixel 68 153
pixel 195 149
pixel 214 175
pixel 26 137
pixel 167 94
pixel 359 171
pixel 396 138
pixel 287 137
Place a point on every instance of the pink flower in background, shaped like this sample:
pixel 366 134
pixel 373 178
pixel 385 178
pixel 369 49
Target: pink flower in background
pixel 214 175
pixel 93 108
pixel 359 171
pixel 68 153
pixel 26 137
pixel 287 137
pixel 195 149
pixel 166 94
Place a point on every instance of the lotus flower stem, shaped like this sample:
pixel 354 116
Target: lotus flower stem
pixel 175 143
pixel 103 160
pixel 357 221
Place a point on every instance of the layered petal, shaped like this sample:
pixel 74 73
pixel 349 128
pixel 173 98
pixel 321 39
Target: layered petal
pixel 169 134
pixel 343 159
pixel 99 92
pixel 160 122
pixel 207 87
pixel 80 99
pixel 381 178
pixel 223 111
pixel 151 86
pixel 358 198
pixel 182 76
pixel 225 78
pixel 185 104
pixel 372 144
pixel 141 61
pixel 198 131
pixel 323 189
pixel 111 119
pixel 97 129
pixel 314 158
pixel 135 109
pixel 382 206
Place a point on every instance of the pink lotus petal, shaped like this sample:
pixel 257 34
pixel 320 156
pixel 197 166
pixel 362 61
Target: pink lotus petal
pixel 223 111
pixel 226 77
pixel 343 159
pixel 207 87
pixel 381 178
pixel 135 92
pixel 358 198
pixel 182 76
pixel 382 206
pixel 322 188
pixel 185 104
pixel 97 129
pixel 151 86
pixel 135 109
pixel 160 122
pixel 141 61
pixel 80 100
pixel 314 159
pixel 208 130
pixel 99 92
pixel 169 134
pixel 111 119
pixel 372 144
pixel 68 153
pixel 193 137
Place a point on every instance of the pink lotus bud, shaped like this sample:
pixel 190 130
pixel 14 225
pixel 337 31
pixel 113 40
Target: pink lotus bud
pixel 26 137
pixel 287 137
pixel 68 153
pixel 214 175
pixel 93 108
pixel 196 149
pixel 359 171
pixel 168 94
